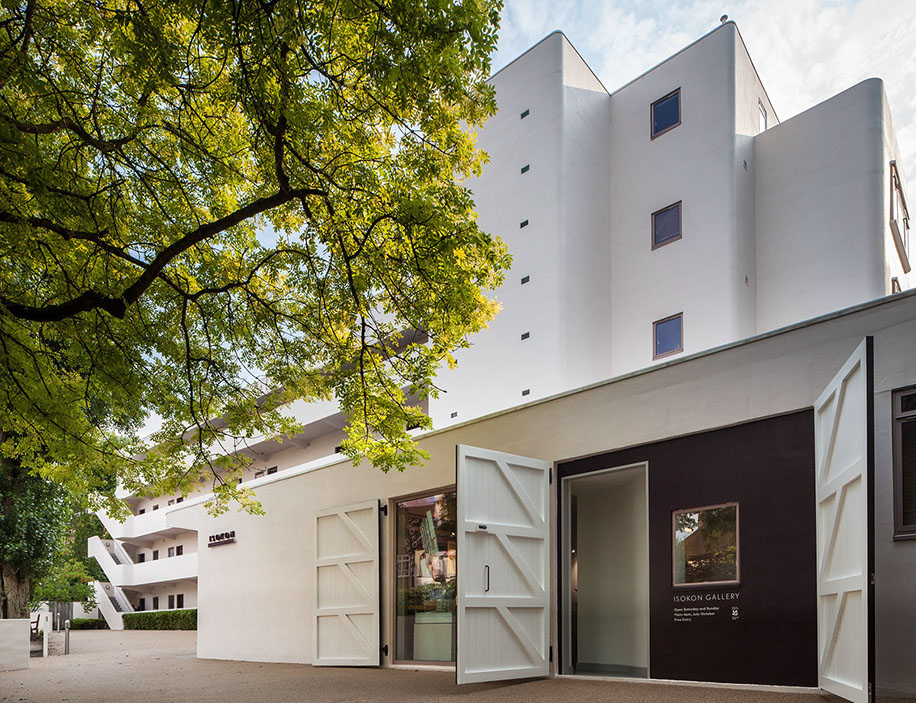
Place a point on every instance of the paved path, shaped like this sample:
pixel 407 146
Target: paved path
pixel 137 666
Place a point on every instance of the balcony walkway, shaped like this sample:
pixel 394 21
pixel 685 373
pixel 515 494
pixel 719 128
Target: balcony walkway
pixel 139 666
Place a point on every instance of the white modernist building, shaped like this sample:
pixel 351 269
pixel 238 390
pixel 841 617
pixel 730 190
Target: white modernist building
pixel 669 324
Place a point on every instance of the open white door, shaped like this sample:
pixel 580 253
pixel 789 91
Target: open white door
pixel 503 566
pixel 843 451
pixel 346 624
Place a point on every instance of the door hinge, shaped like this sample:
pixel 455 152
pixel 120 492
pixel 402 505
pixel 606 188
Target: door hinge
pixel 550 475
pixel 550 653
pixel 383 509
pixel 385 649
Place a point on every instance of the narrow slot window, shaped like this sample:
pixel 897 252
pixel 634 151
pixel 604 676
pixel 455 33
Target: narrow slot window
pixel 525 279
pixel 905 463
pixel 525 114
pixel 526 168
pixel 525 335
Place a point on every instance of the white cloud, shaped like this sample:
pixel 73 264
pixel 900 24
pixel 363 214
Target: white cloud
pixel 805 50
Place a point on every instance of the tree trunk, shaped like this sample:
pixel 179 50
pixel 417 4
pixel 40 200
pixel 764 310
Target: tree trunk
pixel 14 593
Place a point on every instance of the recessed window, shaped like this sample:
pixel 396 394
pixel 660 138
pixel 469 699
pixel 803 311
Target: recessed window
pixel 525 114
pixel 155 507
pixel 155 602
pixel 171 601
pixel 706 545
pixel 527 391
pixel 526 168
pixel 666 113
pixel 141 605
pixel 905 463
pixel 666 225
pixel 141 511
pixel 258 474
pixel 179 550
pixel 179 500
pixel 426 567
pixel 172 501
pixel 523 224
pixel 669 336
pixel 271 470
pixel 900 219
pixel 155 555
pixel 338 449
pixel 454 415
pixel 171 551
pixel 525 335
pixel 761 117
pixel 180 600
pixel 141 557
pixel 525 279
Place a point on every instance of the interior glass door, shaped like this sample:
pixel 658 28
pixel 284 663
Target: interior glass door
pixel 425 578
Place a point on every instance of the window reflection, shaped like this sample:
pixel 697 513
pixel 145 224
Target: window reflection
pixel 706 545
pixel 426 562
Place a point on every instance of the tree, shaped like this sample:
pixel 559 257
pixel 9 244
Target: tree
pixel 34 516
pixel 67 582
pixel 209 208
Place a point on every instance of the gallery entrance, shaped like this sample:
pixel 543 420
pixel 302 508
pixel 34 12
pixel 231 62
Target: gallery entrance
pixel 606 573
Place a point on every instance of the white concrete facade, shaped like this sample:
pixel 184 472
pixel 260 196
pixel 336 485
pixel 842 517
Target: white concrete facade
pixel 778 227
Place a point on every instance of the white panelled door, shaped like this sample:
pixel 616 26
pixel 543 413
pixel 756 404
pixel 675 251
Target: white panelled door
pixel 503 566
pixel 345 630
pixel 842 451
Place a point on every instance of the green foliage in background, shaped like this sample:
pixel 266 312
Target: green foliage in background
pixel 68 582
pixel 88 624
pixel 161 620
pixel 211 208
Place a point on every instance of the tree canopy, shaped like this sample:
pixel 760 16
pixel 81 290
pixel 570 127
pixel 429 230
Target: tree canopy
pixel 209 208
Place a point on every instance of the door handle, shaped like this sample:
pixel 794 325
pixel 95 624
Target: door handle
pixel 486 569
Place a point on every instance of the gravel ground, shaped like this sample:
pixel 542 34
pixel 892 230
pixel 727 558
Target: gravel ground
pixel 135 667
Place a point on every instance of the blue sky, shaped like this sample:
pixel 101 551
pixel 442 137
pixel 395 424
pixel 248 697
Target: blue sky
pixel 805 50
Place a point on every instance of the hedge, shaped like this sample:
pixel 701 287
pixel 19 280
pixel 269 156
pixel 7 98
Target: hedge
pixel 161 620
pixel 88 624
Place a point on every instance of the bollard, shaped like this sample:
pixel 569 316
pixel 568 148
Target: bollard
pixel 67 637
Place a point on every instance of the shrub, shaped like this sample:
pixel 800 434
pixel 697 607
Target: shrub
pixel 88 624
pixel 161 620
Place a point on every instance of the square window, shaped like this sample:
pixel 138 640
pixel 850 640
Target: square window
pixel 155 507
pixel 180 599
pixel 179 550
pixel 666 113
pixel 666 225
pixel 669 336
pixel 271 470
pixel 141 511
pixel 172 601
pixel 706 545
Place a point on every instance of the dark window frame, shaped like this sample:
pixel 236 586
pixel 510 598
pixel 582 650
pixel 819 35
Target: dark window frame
pixel 179 601
pixel 179 550
pixel 171 601
pixel 141 557
pixel 652 133
pixel 155 555
pixel 680 224
pixel 655 325
pixel 155 603
pixel 141 605
pixel 171 552
pixel 707 584
pixel 901 531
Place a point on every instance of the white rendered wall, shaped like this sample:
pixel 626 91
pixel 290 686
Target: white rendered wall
pixel 274 553
pixel 694 163
pixel 14 644
pixel 819 188
pixel 893 266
